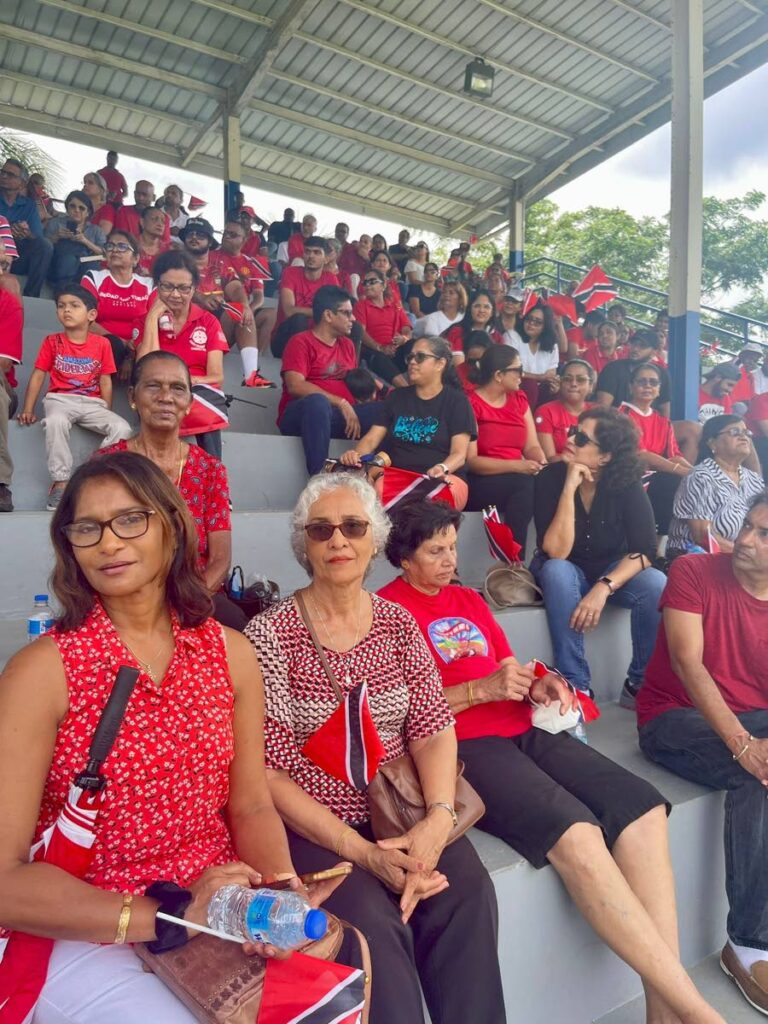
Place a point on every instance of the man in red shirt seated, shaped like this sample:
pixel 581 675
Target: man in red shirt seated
pixel 12 320
pixel 128 218
pixel 117 186
pixel 702 712
pixel 715 393
pixel 298 286
pixel 293 248
pixel 316 403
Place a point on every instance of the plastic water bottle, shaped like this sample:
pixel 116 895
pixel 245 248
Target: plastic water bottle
pixel 284 919
pixel 41 619
pixel 579 732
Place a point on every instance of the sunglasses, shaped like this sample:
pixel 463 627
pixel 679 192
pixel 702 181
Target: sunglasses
pixel 647 382
pixel 371 280
pixel 352 529
pixel 419 357
pixel 514 369
pixel 580 439
pixel 535 321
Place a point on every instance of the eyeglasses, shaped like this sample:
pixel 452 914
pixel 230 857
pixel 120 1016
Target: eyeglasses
pixel 352 529
pixel 647 382
pixel 9 174
pixel 344 312
pixel 118 247
pixel 419 357
pixel 514 369
pixel 127 526
pixel 371 280
pixel 169 289
pixel 580 439
pixel 535 320
pixel 734 432
pixel 568 379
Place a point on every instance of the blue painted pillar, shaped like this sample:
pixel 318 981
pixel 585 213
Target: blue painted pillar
pixel 231 160
pixel 516 232
pixel 686 206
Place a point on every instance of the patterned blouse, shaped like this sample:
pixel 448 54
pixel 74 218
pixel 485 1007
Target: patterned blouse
pixel 205 488
pixel 168 771
pixel 404 692
pixel 709 493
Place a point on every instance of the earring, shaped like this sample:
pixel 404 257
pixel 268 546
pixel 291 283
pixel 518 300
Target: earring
pixel 133 405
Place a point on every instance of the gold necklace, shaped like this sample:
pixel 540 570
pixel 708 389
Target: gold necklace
pixel 146 665
pixel 334 645
pixel 143 451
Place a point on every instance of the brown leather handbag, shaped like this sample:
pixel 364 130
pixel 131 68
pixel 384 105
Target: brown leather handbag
pixel 395 798
pixel 219 984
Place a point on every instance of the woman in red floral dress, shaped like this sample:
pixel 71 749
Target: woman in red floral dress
pixel 187 793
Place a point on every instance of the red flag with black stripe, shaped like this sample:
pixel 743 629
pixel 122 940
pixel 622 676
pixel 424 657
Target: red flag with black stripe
pixel 530 298
pixel 305 990
pixel 208 411
pixel 562 305
pixel 595 289
pixel 404 485
pixel 348 746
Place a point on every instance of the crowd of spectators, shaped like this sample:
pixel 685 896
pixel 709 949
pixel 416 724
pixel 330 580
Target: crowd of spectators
pixel 454 374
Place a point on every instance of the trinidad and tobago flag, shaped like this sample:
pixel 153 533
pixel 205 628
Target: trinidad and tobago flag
pixel 595 290
pixel 208 412
pixel 403 485
pixel 195 204
pixel 347 746
pixel 530 298
pixel 562 305
pixel 305 990
pixel 501 540
pixel 236 310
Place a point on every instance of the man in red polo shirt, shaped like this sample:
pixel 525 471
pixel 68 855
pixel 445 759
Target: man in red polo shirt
pixel 128 218
pixel 298 286
pixel 702 712
pixel 316 404
pixel 293 249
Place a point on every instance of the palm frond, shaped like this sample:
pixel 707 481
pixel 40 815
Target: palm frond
pixel 20 147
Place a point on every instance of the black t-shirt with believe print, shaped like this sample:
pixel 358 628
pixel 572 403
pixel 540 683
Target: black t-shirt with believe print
pixel 419 430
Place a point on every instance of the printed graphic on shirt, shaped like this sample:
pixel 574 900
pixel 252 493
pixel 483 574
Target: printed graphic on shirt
pixel 80 372
pixel 455 638
pixel 198 339
pixel 415 429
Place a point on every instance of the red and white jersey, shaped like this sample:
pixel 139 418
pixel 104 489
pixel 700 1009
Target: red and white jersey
pixel 119 305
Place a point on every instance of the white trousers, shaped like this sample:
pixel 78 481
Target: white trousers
pixel 90 984
pixel 62 412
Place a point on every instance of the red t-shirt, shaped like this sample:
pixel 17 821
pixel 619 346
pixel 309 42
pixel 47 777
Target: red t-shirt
pixel 462 372
pixel 553 418
pixel 656 433
pixel 105 212
pixel 253 244
pixel 455 337
pixel 75 368
pixel 294 279
pixel 11 335
pixel 381 322
pixel 116 184
pixel 119 305
pixel 591 354
pixel 128 218
pixel 758 411
pixel 501 433
pixel 745 388
pixel 146 259
pixel 575 336
pixel 323 365
pixel 735 638
pixel 467 643
pixel 296 247
pixel 200 335
pixel 245 269
pixel 709 406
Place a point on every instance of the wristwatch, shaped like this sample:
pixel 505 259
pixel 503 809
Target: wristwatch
pixel 609 583
pixel 446 807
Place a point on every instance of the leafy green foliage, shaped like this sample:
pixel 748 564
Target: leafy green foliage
pixel 35 159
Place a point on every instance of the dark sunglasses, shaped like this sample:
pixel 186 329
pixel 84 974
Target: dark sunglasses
pixel 419 357
pixel 580 439
pixel 649 382
pixel 371 280
pixel 514 369
pixel 352 529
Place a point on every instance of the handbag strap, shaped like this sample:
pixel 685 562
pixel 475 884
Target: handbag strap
pixel 299 599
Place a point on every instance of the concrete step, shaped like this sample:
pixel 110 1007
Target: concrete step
pixel 713 984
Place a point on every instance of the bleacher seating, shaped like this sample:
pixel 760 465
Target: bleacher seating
pixel 554 962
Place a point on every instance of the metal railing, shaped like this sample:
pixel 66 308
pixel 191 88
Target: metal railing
pixel 643 303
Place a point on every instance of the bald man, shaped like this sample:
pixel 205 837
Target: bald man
pixel 128 218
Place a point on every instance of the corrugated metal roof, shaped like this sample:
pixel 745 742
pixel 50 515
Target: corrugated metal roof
pixel 359 102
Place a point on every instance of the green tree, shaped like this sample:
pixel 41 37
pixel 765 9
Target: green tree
pixel 734 244
pixel 36 160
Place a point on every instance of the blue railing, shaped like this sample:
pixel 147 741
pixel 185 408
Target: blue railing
pixel 721 329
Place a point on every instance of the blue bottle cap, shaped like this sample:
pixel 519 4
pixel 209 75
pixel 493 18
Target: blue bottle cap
pixel 315 924
pixel 41 597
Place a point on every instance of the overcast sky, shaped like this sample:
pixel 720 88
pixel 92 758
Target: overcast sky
pixel 735 160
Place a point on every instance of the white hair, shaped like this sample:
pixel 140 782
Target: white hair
pixel 326 483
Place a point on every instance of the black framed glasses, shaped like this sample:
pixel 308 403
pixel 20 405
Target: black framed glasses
pixel 169 289
pixel 514 369
pixel 86 533
pixel 371 280
pixel 419 357
pixel 352 529
pixel 581 439
pixel 118 247
pixel 734 432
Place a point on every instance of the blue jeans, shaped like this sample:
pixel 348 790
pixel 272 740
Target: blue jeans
pixel 682 741
pixel 564 584
pixel 316 421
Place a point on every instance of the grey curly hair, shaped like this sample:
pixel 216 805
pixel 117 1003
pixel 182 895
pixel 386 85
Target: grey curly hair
pixel 325 483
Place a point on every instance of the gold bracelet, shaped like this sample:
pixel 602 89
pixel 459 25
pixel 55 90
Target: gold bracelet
pixel 124 920
pixel 744 749
pixel 470 695
pixel 340 840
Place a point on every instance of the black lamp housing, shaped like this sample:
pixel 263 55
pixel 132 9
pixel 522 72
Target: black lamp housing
pixel 478 78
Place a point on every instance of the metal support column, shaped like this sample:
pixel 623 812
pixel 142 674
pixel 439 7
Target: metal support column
pixel 516 232
pixel 686 206
pixel 231 160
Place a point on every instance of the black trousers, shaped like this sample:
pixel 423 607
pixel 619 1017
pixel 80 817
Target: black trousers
pixel 662 489
pixel 449 944
pixel 34 259
pixel 512 493
pixel 381 364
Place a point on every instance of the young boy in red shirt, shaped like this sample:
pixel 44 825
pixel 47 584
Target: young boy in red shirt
pixel 80 387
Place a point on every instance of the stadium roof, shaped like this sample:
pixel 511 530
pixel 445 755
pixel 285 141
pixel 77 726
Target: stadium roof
pixel 359 103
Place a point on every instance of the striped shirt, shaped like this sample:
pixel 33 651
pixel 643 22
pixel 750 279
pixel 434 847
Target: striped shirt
pixel 709 493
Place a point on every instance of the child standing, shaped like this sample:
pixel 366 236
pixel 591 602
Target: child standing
pixel 80 387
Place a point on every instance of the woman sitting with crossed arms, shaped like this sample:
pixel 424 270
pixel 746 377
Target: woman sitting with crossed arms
pixel 553 799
